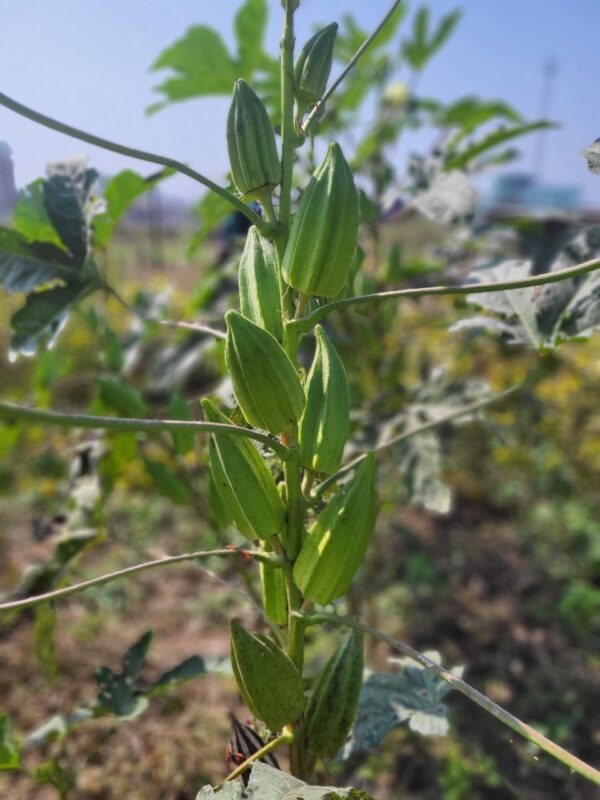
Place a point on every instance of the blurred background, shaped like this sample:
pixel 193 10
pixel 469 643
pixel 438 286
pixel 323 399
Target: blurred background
pixel 465 126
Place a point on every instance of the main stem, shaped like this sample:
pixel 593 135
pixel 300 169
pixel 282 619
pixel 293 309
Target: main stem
pixel 292 470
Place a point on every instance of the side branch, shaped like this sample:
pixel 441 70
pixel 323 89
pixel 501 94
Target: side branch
pixel 350 65
pixel 524 730
pixel 304 324
pixel 132 152
pixel 408 434
pixel 58 594
pixel 12 411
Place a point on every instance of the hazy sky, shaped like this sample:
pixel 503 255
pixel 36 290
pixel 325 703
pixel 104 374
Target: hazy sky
pixel 87 63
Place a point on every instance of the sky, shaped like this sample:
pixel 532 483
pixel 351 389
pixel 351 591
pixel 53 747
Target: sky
pixel 87 64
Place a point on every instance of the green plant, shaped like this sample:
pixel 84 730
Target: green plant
pixel 313 525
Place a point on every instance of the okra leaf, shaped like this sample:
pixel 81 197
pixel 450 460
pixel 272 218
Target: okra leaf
pixel 183 441
pixel 121 397
pixel 30 216
pixel 71 204
pixel 414 695
pixel 250 26
pixel 202 65
pixel 119 193
pixel 25 266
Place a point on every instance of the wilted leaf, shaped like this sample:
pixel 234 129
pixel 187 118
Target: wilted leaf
pixel 421 465
pixel 450 197
pixel 592 155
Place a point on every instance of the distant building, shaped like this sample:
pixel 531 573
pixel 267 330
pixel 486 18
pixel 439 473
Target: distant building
pixel 521 194
pixel 8 189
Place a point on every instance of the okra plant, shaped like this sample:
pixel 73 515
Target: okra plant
pixel 277 468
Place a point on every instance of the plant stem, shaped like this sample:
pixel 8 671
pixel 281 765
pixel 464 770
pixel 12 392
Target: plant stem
pixel 12 411
pixel 288 135
pixel 524 730
pixel 287 737
pixel 58 594
pixel 401 437
pixel 304 324
pixel 132 152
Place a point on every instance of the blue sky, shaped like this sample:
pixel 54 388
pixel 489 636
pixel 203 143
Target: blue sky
pixel 87 63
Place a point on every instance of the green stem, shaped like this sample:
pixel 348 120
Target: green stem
pixel 288 135
pixel 401 437
pixel 524 730
pixel 59 594
pixel 11 411
pixel 132 152
pixel 304 324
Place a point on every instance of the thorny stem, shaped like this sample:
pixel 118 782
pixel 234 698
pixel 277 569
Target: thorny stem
pixel 304 324
pixel 59 594
pixel 350 65
pixel 401 437
pixel 287 737
pixel 132 152
pixel 524 730
pixel 12 411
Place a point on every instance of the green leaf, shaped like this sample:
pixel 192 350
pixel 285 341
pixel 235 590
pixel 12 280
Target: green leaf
pixel 45 313
pixel 183 441
pixel 469 113
pixel 192 667
pixel 415 696
pixel 53 773
pixel 121 397
pixel 460 160
pixel 117 691
pixel 119 193
pixel 24 266
pixel 44 642
pixel 10 751
pixel 167 482
pixel 202 64
pixel 422 47
pixel 444 30
pixel 250 26
pixel 70 204
pixel 30 216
